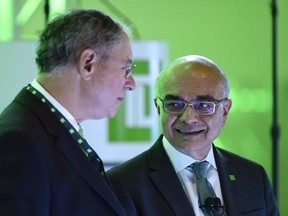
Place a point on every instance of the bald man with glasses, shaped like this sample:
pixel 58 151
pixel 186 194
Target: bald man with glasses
pixel 184 173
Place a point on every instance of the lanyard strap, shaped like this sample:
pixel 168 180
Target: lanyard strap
pixel 82 143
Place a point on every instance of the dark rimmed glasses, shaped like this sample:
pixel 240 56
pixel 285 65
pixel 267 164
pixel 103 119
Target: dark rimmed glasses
pixel 200 107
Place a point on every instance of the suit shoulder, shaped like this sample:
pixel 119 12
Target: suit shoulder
pixel 140 164
pixel 133 165
pixel 236 159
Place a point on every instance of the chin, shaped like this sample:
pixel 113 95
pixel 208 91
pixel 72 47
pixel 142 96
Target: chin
pixel 112 114
pixel 103 115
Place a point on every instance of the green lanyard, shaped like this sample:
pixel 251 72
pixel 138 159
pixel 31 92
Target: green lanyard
pixel 82 143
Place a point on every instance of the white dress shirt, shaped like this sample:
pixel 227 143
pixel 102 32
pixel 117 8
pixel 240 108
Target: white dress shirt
pixel 180 161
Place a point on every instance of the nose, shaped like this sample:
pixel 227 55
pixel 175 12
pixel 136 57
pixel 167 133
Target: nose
pixel 189 116
pixel 130 83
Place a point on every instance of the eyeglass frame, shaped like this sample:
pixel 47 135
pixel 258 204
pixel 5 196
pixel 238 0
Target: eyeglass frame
pixel 215 104
pixel 129 70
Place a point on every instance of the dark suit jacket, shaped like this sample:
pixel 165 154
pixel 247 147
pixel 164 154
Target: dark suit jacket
pixel 148 185
pixel 43 171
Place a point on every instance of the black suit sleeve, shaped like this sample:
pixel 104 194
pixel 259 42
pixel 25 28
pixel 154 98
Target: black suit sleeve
pixel 24 181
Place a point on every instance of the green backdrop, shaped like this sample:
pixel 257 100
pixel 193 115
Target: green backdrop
pixel 235 34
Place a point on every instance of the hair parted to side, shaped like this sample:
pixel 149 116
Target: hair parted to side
pixel 66 36
pixel 164 74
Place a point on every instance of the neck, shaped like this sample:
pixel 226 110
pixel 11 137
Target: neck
pixel 63 87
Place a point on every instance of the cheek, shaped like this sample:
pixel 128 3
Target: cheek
pixel 112 79
pixel 166 122
pixel 109 89
pixel 214 126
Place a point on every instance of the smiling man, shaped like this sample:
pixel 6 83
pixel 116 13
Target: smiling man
pixel 184 173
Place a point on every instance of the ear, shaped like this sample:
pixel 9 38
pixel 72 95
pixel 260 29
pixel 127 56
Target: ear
pixel 157 106
pixel 87 62
pixel 226 106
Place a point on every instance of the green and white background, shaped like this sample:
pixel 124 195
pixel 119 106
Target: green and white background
pixel 235 34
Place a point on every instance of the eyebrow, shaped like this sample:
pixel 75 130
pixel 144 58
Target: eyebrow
pixel 205 97
pixel 172 97
pixel 129 61
pixel 198 97
pixel 126 62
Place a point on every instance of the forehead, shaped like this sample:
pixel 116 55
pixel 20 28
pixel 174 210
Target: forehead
pixel 122 52
pixel 193 80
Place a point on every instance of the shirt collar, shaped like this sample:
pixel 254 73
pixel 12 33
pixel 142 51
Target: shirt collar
pixel 180 161
pixel 56 104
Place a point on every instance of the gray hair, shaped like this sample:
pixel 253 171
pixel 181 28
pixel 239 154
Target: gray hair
pixel 190 58
pixel 66 36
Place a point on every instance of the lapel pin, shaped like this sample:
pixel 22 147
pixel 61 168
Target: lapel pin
pixel 232 177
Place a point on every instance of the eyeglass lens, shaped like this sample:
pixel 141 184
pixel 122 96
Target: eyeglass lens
pixel 177 107
pixel 129 70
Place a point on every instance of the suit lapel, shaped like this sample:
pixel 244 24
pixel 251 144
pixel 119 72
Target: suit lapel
pixel 162 170
pixel 87 170
pixel 229 180
pixel 70 150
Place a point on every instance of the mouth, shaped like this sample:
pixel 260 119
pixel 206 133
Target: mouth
pixel 189 132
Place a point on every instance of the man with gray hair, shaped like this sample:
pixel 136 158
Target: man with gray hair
pixel 47 168
pixel 184 173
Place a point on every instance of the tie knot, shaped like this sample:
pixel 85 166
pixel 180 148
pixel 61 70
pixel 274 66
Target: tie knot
pixel 200 169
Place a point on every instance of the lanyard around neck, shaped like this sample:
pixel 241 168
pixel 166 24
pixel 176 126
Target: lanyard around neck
pixel 82 143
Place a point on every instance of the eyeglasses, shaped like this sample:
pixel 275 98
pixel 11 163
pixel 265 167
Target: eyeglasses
pixel 199 107
pixel 129 70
